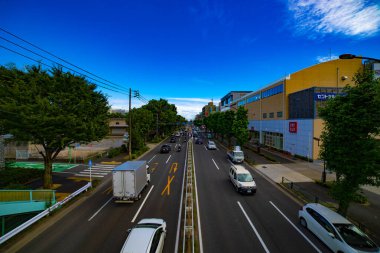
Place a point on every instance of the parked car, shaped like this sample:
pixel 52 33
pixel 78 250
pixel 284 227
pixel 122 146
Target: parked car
pixel 211 145
pixel 198 141
pixel 339 234
pixel 242 179
pixel 165 148
pixel 147 236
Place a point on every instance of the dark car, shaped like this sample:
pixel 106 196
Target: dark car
pixel 165 148
pixel 198 141
pixel 173 140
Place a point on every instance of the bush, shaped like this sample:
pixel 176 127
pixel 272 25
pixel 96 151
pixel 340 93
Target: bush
pixel 16 178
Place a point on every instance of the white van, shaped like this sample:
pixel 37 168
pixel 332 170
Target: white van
pixel 242 179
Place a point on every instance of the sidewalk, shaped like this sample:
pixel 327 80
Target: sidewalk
pixel 304 174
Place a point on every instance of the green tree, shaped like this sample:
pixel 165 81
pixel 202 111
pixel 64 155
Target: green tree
pixel 165 114
pixel 53 109
pixel 142 125
pixel 240 126
pixel 228 119
pixel 354 118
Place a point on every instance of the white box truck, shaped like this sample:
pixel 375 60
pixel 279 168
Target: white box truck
pixel 236 155
pixel 129 180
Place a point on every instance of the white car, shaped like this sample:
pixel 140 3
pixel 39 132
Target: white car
pixel 339 234
pixel 242 179
pixel 211 145
pixel 147 236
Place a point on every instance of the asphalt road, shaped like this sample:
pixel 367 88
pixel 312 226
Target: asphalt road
pixel 100 225
pixel 230 222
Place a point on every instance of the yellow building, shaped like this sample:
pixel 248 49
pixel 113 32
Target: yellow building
pixel 284 115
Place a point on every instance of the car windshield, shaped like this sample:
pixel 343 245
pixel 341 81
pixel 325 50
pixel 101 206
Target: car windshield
pixel 239 154
pixel 147 225
pixel 211 143
pixel 244 177
pixel 354 237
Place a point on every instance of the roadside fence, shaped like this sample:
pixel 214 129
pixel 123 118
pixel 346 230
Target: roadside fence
pixel 42 214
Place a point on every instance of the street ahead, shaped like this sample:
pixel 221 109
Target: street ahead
pixel 230 222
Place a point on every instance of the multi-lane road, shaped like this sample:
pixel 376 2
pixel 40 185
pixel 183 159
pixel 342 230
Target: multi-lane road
pixel 229 221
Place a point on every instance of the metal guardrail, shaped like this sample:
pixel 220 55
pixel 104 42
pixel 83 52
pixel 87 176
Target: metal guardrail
pixel 42 214
pixel 188 233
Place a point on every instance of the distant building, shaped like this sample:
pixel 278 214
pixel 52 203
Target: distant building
pixel 122 111
pixel 284 114
pixel 208 109
pixel 228 100
pixel 117 126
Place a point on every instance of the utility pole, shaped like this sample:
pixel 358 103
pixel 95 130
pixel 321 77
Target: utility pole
pixel 157 124
pixel 130 125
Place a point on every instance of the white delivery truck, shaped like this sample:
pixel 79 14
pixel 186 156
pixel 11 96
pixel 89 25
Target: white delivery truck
pixel 236 155
pixel 128 180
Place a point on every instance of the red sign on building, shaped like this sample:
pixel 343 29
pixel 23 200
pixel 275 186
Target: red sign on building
pixel 293 127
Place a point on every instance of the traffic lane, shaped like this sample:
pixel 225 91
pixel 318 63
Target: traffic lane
pixel 106 230
pixel 224 226
pixel 279 205
pixel 164 201
pixel 74 232
pixel 265 222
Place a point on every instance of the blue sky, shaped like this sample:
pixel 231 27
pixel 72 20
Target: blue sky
pixel 190 52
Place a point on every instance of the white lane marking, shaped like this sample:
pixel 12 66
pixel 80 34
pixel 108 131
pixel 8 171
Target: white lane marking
pixel 254 229
pixel 152 158
pixel 215 164
pixel 180 207
pixel 95 173
pixel 87 175
pixel 199 212
pixel 142 204
pixel 168 159
pixel 100 209
pixel 205 147
pixel 299 231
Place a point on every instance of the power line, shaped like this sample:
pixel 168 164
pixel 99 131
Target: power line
pixel 56 56
pixel 52 67
pixel 57 63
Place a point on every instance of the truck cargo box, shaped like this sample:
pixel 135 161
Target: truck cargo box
pixel 128 180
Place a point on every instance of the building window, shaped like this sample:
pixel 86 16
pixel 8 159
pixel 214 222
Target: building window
pixel 271 115
pixel 117 123
pixel 265 115
pixel 241 103
pixel 279 114
pixel 254 98
pixel 273 91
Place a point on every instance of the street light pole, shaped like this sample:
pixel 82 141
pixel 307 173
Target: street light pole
pixel 130 126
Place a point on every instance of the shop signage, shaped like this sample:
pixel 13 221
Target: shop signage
pixel 292 127
pixel 324 96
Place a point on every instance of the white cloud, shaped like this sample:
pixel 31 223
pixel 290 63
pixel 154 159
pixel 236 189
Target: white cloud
pixel 186 107
pixel 348 17
pixel 204 100
pixel 326 58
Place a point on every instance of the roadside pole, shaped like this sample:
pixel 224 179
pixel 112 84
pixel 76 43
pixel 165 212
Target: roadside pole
pixel 90 165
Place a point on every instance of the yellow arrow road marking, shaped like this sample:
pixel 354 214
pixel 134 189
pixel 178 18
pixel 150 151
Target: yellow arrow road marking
pixel 173 167
pixel 167 188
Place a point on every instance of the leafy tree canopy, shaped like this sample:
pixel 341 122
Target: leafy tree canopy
pixel 51 108
pixel 353 118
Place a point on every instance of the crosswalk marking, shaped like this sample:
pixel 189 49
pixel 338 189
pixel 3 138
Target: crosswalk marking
pixel 97 170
